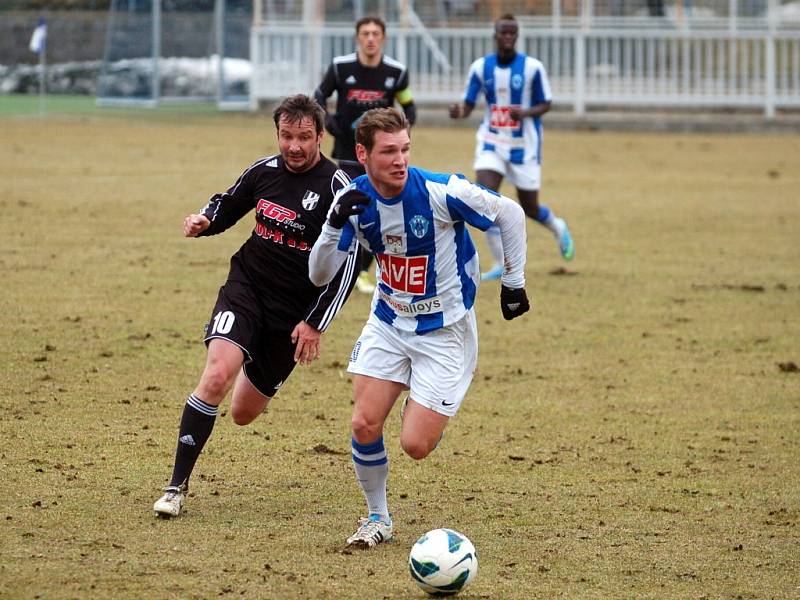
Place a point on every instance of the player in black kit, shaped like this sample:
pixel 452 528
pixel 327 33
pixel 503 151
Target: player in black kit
pixel 268 316
pixel 362 80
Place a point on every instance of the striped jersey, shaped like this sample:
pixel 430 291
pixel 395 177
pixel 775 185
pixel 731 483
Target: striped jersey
pixel 524 83
pixel 427 265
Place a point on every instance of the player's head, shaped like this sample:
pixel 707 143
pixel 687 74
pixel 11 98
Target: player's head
pixel 383 145
pixel 299 120
pixel 506 32
pixel 370 35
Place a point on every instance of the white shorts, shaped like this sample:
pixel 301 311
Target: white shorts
pixel 437 367
pixel 527 176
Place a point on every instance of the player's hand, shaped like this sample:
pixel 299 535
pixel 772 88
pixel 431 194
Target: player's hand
pixel 350 203
pixel 194 225
pixel 306 338
pixel 332 126
pixel 513 302
pixel 516 112
pixel 455 111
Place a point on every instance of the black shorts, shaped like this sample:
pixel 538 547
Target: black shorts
pixel 268 351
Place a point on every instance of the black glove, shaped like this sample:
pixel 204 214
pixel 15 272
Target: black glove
pixel 352 202
pixel 332 126
pixel 513 302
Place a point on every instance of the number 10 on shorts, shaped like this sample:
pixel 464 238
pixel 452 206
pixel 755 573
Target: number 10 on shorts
pixel 223 322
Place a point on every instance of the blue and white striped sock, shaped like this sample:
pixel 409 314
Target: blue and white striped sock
pixel 372 471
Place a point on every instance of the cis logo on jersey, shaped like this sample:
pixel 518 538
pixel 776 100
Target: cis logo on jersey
pixel 419 225
pixel 310 200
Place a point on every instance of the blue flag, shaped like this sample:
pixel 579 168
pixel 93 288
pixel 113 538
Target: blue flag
pixel 39 37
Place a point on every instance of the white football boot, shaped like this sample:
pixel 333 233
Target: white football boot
pixel 371 532
pixel 170 504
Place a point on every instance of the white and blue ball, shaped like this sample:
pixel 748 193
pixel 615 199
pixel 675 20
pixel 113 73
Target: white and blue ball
pixel 443 562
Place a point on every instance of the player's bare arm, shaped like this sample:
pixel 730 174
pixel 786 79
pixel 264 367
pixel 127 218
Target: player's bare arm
pixel 194 225
pixel 307 340
pixel 460 110
pixel 517 112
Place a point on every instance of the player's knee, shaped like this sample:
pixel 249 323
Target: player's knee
pixel 242 417
pixel 364 431
pixel 416 448
pixel 216 382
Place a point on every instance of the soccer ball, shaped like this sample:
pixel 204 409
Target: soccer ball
pixel 443 562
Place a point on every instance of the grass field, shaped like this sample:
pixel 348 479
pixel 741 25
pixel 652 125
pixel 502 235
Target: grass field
pixel 634 436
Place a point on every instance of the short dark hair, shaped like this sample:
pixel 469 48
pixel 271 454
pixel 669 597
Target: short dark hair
pixel 298 107
pixel 366 20
pixel 389 120
pixel 505 17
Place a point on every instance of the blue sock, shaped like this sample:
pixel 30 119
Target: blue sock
pixel 544 214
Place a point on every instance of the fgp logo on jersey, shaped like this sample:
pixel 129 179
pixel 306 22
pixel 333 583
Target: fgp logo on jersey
pixel 276 212
pixel 404 273
pixel 310 200
pixel 365 96
pixel 419 225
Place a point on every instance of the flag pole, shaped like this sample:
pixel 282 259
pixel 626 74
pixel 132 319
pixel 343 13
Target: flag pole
pixel 38 44
pixel 42 79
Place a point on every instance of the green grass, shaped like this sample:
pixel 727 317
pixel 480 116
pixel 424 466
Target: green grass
pixel 60 105
pixel 634 436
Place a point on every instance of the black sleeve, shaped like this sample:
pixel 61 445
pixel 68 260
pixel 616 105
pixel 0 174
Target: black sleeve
pixel 411 112
pixel 224 210
pixel 326 87
pixel 333 296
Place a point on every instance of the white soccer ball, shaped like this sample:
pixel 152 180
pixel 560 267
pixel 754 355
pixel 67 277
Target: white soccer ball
pixel 443 562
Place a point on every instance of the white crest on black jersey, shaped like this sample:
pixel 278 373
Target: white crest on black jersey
pixel 350 80
pixel 310 200
pixel 389 83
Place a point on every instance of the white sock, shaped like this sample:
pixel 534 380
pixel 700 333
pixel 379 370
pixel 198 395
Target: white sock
pixel 372 471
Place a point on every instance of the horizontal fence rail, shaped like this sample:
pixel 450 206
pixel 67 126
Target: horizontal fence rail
pixel 714 68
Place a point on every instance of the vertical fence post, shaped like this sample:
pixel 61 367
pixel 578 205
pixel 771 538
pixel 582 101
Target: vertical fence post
pixel 219 31
pixel 580 57
pixel 402 39
pixel 770 63
pixel 156 80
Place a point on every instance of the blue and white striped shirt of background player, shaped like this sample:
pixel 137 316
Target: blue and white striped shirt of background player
pixel 522 83
pixel 427 265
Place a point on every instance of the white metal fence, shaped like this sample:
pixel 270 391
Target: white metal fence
pixel 720 65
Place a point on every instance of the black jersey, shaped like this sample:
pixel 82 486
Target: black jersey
pixel 290 209
pixel 358 89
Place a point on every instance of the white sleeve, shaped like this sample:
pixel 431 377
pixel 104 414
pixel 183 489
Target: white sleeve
pixel 511 221
pixel 326 259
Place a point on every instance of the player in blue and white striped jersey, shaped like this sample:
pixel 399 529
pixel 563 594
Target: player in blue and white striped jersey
pixel 517 94
pixel 421 335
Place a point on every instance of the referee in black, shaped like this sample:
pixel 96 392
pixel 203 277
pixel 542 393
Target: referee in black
pixel 362 80
pixel 268 316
